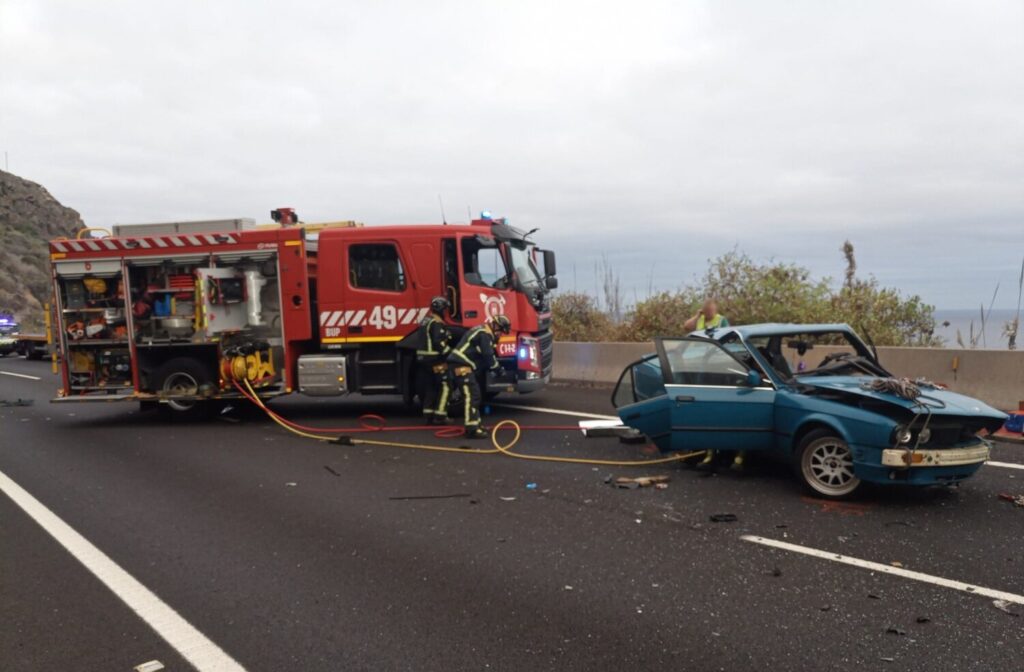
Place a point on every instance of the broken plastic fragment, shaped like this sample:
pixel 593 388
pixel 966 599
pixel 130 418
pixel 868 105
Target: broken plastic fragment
pixel 1004 606
pixel 149 666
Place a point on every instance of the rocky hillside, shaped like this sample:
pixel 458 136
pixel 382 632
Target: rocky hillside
pixel 29 218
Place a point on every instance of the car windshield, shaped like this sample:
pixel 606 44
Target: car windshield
pixel 830 353
pixel 522 264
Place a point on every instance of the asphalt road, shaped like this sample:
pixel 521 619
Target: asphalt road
pixel 290 554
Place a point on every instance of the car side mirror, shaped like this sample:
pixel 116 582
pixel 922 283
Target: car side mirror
pixel 753 378
pixel 551 282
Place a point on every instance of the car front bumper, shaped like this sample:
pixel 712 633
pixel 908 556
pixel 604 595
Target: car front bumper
pixel 945 457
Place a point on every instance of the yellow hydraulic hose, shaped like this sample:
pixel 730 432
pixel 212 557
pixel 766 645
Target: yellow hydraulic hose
pixel 499 448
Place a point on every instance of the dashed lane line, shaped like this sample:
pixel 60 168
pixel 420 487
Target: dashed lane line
pixel 193 645
pixel 887 569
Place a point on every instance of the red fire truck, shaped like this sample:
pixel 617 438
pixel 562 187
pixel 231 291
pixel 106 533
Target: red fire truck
pixel 171 313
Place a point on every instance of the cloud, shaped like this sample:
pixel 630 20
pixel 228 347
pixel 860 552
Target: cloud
pixel 656 133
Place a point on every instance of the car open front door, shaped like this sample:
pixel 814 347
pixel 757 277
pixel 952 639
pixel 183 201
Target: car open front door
pixel 714 401
pixel 641 402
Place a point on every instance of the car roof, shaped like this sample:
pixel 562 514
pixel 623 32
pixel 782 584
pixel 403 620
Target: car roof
pixel 776 329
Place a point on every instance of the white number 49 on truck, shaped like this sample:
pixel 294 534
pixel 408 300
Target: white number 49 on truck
pixel 178 313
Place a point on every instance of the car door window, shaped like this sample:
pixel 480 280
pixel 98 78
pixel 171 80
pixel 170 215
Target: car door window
pixel 639 381
pixel 699 362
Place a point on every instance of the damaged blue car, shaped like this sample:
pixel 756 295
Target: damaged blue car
pixel 816 395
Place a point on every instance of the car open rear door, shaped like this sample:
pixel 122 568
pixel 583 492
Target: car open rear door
pixel 714 402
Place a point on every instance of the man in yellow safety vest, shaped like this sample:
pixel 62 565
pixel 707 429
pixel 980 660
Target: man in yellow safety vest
pixel 707 317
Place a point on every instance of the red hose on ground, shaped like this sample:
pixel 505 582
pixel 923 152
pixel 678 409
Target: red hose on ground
pixel 372 422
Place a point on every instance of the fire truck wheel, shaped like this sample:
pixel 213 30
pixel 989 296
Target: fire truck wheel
pixel 183 376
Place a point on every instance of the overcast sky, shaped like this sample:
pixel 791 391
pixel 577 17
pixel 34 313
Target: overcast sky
pixel 658 134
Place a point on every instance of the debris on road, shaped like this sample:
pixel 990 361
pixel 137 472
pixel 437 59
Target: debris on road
pixel 16 402
pixel 896 631
pixel 723 517
pixel 328 468
pixel 149 666
pixel 507 499
pixel 776 572
pixel 531 486
pixel 290 484
pixel 458 495
pixel 923 619
pixel 1004 606
pixel 896 563
pixel 1016 500
pixel 628 483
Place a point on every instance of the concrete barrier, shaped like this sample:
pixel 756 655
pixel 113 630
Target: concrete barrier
pixel 994 376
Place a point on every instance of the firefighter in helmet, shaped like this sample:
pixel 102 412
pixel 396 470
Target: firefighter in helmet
pixel 435 341
pixel 475 352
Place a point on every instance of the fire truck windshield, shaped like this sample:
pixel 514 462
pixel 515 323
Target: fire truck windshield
pixel 526 272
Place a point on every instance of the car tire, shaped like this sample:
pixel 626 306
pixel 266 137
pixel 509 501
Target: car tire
pixel 183 375
pixel 824 463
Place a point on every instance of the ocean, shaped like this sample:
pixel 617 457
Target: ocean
pixel 948 322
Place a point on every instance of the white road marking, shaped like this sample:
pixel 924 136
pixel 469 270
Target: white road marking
pixel 556 411
pixel 887 569
pixel 19 375
pixel 1005 465
pixel 193 645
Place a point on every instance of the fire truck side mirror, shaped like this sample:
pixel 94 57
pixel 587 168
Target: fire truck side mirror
pixel 550 268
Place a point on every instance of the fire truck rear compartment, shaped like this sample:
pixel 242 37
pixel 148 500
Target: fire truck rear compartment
pixel 196 312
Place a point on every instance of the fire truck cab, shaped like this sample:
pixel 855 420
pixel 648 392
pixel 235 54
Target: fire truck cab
pixel 178 313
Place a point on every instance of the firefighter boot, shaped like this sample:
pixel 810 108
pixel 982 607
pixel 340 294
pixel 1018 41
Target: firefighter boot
pixel 476 433
pixel 708 463
pixel 738 462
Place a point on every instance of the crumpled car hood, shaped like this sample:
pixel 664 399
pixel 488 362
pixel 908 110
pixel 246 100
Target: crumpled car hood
pixel 941 402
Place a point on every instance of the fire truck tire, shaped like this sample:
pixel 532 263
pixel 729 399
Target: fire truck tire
pixel 183 375
pixel 32 352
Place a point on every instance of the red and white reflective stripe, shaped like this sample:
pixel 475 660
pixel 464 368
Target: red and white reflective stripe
pixel 357 318
pixel 414 316
pixel 146 243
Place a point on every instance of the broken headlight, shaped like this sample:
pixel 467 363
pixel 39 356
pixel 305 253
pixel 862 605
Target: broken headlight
pixel 901 435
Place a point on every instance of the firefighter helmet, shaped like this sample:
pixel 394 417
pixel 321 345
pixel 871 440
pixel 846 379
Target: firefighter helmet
pixel 500 323
pixel 439 305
